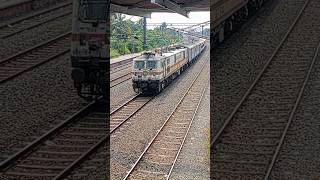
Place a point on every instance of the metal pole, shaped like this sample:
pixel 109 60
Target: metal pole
pixel 144 33
pixel 132 42
pixel 202 31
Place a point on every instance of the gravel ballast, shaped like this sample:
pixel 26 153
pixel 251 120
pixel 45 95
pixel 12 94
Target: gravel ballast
pixel 299 157
pixel 35 101
pixel 32 37
pixel 194 159
pixel 237 62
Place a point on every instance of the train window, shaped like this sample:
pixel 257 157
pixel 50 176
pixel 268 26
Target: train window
pixel 168 61
pixel 173 59
pixel 93 10
pixel 139 64
pixel 178 56
pixel 151 65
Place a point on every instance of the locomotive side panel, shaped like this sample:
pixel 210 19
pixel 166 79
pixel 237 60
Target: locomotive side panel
pixel 177 61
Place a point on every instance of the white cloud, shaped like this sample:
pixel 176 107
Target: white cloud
pixel 194 17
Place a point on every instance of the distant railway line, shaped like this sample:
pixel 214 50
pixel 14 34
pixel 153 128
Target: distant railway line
pixel 33 21
pixel 28 59
pixel 59 151
pixel 120 67
pixel 248 143
pixel 123 113
pixel 120 79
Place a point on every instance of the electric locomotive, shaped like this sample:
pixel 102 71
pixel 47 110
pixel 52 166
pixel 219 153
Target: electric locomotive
pixel 153 71
pixel 89 47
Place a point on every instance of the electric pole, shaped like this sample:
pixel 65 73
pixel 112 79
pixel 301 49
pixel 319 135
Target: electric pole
pixel 144 33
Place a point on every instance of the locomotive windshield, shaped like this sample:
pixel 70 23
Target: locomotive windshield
pixel 91 10
pixel 139 64
pixel 151 64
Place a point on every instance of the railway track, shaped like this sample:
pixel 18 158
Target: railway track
pixel 59 151
pixel 44 52
pixel 120 79
pixel 32 21
pixel 158 159
pixel 121 67
pixel 33 57
pixel 249 141
pixel 123 113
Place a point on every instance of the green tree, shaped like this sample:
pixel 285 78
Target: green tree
pixel 127 36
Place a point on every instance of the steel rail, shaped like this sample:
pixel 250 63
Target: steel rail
pixel 34 48
pixel 163 125
pixel 23 152
pixel 117 78
pixel 301 91
pixel 35 25
pixel 97 145
pixel 128 101
pixel 33 15
pixel 121 67
pixel 132 114
pixel 226 123
pixel 103 140
pixel 187 132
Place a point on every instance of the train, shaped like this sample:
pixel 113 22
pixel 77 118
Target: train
pixel 90 47
pixel 226 15
pixel 154 70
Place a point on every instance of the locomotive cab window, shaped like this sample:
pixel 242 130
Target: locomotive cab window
pixel 93 10
pixel 151 65
pixel 139 64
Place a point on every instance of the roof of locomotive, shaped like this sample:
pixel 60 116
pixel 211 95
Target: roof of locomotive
pixel 192 44
pixel 157 56
pixel 148 56
pixel 171 53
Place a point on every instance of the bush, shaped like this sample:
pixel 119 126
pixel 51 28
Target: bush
pixel 114 53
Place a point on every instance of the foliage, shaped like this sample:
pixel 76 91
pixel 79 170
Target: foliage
pixel 127 36
pixel 114 53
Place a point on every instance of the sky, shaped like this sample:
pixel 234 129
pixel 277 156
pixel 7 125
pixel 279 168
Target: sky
pixel 194 17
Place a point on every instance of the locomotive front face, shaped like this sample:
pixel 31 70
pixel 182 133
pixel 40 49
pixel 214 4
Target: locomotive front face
pixel 146 70
pixel 147 74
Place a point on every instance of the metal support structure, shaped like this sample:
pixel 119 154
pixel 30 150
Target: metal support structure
pixel 144 33
pixel 189 33
pixel 202 31
pixel 130 11
pixel 172 6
